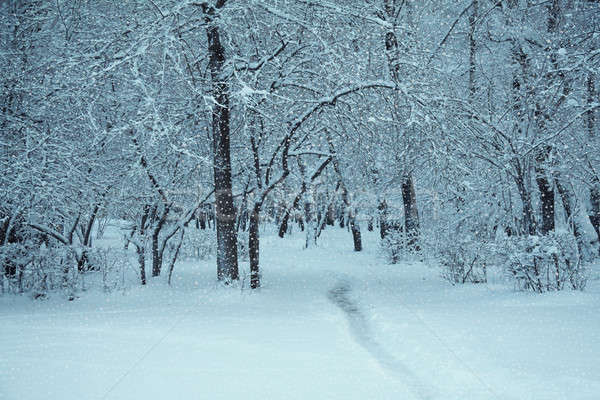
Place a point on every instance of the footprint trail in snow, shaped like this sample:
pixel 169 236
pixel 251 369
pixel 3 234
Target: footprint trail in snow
pixel 360 330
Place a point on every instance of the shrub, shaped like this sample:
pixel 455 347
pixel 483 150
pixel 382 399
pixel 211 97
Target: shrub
pixel 544 263
pixel 464 261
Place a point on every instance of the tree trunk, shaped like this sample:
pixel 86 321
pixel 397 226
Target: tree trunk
pixel 567 196
pixel 156 251
pixel 383 211
pixel 411 215
pixel 253 247
pixel 309 219
pixel 546 192
pixel 288 211
pixel 595 208
pixel 547 200
pixel 227 261
pixel 594 212
pixel 141 247
pixel 472 49
pixel 355 235
pixel 527 217
pixel 354 227
pixel 172 265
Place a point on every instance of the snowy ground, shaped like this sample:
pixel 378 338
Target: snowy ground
pixel 328 324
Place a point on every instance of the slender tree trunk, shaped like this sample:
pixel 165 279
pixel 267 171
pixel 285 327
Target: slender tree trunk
pixel 411 215
pixel 544 185
pixel 227 260
pixel 309 219
pixel 473 49
pixel 254 246
pixel 567 196
pixel 142 262
pixel 595 208
pixel 141 246
pixel 356 238
pixel 547 200
pixel 527 217
pixel 176 255
pixel 546 192
pixel 594 212
pixel 354 227
pixel 383 211
pixel 157 255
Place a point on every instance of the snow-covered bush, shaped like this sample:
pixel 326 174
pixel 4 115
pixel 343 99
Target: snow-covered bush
pixel 198 244
pixel 37 269
pixel 111 263
pixel 397 246
pixel 544 263
pixel 464 261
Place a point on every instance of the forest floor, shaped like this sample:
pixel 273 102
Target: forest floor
pixel 328 323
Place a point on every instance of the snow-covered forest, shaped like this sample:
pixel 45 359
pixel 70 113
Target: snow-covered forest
pixel 299 199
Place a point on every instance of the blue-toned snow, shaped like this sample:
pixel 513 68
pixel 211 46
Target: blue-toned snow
pixel 401 332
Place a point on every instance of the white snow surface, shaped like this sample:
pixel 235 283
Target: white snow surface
pixel 328 323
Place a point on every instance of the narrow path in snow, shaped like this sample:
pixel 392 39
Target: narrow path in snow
pixel 361 332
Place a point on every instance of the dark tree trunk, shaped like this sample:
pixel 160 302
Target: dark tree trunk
pixel 142 262
pixel 157 254
pixel 594 212
pixel 567 196
pixel 547 200
pixel 355 235
pixel 595 209
pixel 176 255
pixel 354 227
pixel 472 48
pixel 253 247
pixel 546 192
pixel 227 261
pixel 330 214
pixel 140 247
pixel 527 217
pixel 411 214
pixel 382 207
pixel 83 262
pixel 284 223
pixel 544 185
pixel 288 211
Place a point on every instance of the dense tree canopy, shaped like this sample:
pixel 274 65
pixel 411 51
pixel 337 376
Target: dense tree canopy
pixel 466 130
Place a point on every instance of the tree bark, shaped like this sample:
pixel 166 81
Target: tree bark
pixel 383 211
pixel 411 215
pixel 227 260
pixel 472 49
pixel 594 212
pixel 547 200
pixel 528 223
pixel 354 227
pixel 253 246
pixel 546 192
pixel 567 196
pixel 157 254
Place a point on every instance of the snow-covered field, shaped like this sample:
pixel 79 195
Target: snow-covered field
pixel 327 324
